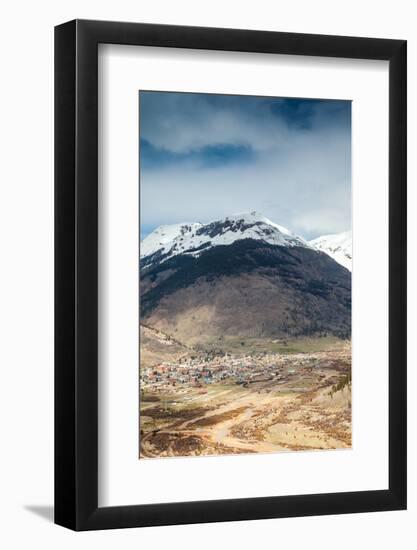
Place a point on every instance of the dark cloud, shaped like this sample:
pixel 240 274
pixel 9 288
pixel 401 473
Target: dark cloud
pixel 205 156
pixel 209 156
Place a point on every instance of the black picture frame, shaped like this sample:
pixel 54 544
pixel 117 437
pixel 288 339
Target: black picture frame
pixel 76 272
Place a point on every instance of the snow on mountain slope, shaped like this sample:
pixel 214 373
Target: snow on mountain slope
pixel 194 238
pixel 338 247
pixel 164 237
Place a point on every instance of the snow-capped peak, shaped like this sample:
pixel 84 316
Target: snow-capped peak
pixel 337 246
pixel 256 217
pixel 195 238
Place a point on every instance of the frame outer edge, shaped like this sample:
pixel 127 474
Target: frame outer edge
pixel 76 268
pixel 398 275
pixel 64 245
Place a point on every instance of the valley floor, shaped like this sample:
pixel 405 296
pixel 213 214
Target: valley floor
pixel 228 403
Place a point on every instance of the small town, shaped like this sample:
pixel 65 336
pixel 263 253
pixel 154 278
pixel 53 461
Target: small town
pixel 212 368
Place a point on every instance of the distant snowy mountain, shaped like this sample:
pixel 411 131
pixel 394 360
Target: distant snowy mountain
pixel 338 247
pixel 193 239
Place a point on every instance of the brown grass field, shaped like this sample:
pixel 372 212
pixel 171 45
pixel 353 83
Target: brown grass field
pixel 268 397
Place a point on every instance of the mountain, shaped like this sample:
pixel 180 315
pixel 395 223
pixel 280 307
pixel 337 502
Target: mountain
pixel 194 239
pixel 240 277
pixel 338 247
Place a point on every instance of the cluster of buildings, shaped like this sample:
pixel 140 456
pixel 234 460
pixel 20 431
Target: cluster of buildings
pixel 208 369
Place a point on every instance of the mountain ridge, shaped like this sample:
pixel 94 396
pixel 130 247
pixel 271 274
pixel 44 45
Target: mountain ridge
pixel 248 288
pixel 195 238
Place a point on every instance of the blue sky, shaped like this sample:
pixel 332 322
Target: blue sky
pixel 204 156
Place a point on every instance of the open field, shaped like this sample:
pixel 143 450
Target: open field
pixel 272 396
pixel 244 346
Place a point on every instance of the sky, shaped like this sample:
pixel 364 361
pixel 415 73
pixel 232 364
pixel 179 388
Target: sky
pixel 206 156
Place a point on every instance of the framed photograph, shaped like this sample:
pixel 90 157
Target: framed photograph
pixel 230 245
